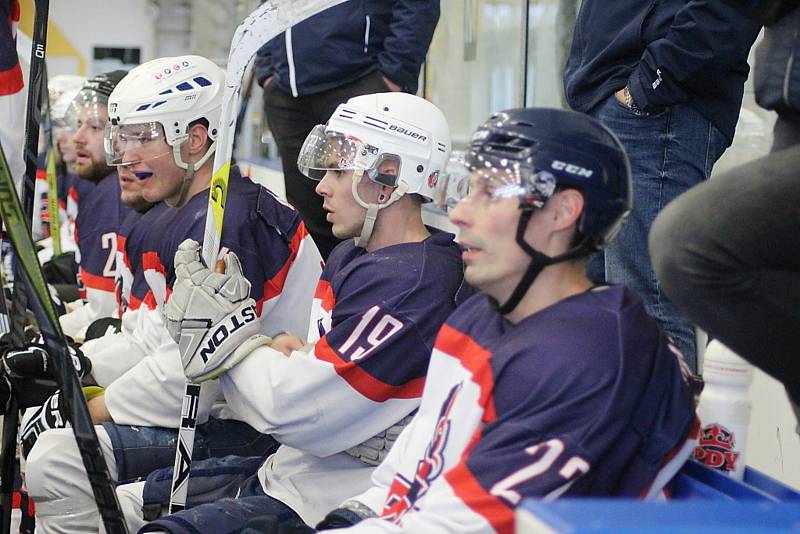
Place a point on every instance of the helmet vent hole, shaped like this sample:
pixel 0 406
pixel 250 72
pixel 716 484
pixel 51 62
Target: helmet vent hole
pixel 420 168
pixel 385 108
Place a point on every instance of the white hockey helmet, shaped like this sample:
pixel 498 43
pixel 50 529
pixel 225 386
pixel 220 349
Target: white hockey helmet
pixel 369 130
pixel 161 98
pixel 62 89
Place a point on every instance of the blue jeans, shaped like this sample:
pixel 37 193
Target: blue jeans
pixel 670 151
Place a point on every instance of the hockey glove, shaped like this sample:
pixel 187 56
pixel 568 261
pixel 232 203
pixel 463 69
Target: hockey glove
pixel 33 361
pixel 211 315
pixel 347 515
pixel 48 415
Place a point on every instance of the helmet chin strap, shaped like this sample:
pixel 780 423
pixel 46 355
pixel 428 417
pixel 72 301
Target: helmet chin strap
pixel 186 182
pixel 372 209
pixel 538 262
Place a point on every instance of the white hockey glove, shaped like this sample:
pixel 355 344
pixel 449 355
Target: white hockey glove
pixel 211 315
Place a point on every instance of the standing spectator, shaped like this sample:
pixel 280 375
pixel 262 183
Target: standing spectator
pixel 727 251
pixel 355 48
pixel 777 73
pixel 667 77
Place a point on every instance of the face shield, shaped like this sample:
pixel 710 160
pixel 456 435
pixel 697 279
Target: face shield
pixel 128 144
pixel 325 151
pixel 87 108
pixel 452 184
pixel 498 177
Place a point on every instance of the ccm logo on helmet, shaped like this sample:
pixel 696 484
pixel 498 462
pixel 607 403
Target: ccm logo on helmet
pixel 572 169
pixel 223 331
pixel 412 135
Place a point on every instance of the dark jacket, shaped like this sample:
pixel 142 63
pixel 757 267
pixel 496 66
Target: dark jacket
pixel 668 51
pixel 349 41
pixel 777 69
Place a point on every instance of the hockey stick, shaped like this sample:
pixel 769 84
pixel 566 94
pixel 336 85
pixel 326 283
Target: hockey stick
pixel 268 21
pixel 74 402
pixel 19 303
pixel 52 177
pixel 10 423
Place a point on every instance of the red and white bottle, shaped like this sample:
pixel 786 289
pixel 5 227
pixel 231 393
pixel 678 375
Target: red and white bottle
pixel 724 410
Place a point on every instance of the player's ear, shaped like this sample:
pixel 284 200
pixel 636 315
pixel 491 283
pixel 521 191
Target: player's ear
pixel 569 208
pixel 198 139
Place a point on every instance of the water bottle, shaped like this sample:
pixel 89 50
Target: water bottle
pixel 724 410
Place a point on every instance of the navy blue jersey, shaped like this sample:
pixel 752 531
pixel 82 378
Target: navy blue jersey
pixel 130 244
pixel 583 398
pixel 401 292
pixel 265 233
pixel 100 213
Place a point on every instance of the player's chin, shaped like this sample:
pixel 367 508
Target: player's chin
pixel 341 231
pixel 474 276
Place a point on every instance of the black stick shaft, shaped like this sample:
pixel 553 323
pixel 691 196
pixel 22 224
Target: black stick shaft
pixel 19 304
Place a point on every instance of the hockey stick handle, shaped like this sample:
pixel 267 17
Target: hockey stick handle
pixel 183 454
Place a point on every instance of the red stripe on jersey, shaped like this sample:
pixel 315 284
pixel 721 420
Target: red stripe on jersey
pixel 694 433
pixel 274 286
pixel 97 282
pixel 11 78
pixel 363 382
pixel 475 359
pixel 151 262
pixel 324 293
pixel 148 302
pixel 41 174
pixel 471 493
pixel 11 81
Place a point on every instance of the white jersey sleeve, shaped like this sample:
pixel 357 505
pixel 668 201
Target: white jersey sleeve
pixel 142 333
pixel 304 403
pixel 151 393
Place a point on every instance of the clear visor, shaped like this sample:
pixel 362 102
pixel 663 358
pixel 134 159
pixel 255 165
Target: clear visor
pixel 88 107
pixel 128 144
pixel 453 184
pixel 499 178
pixel 325 151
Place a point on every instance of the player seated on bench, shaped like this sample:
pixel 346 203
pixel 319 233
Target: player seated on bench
pixel 336 399
pixel 544 385
pixel 169 149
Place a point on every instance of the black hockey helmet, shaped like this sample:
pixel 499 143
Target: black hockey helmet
pixel 540 150
pixel 92 99
pixel 569 149
pixel 104 84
